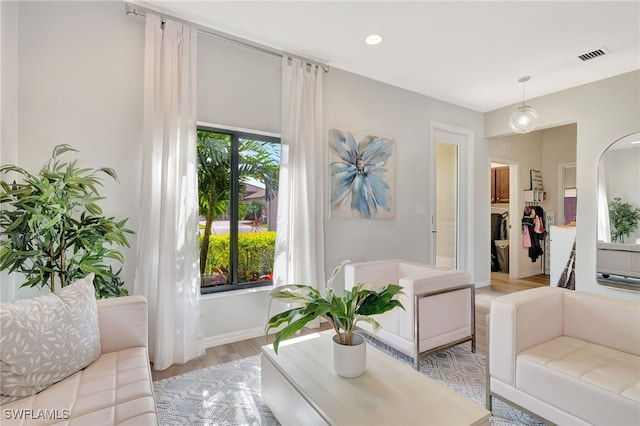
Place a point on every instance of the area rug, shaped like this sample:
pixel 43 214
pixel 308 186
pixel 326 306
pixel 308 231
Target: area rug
pixel 229 394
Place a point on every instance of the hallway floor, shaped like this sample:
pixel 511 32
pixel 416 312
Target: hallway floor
pixel 500 284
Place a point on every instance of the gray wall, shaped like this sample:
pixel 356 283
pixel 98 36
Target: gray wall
pixel 365 106
pixel 241 87
pixel 79 73
pixel 78 68
pixel 604 112
pixel 8 107
pixel 80 81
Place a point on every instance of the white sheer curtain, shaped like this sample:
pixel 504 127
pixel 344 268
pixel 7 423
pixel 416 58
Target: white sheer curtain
pixel 299 257
pixel 167 272
pixel 604 224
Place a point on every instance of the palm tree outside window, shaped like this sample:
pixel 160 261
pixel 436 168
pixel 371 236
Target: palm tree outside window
pixel 237 194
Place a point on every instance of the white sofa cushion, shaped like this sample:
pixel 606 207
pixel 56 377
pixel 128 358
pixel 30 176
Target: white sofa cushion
pixel 604 320
pixel 519 321
pixel 47 338
pixel 116 389
pixel 593 382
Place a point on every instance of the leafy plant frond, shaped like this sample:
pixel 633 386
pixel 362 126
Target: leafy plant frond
pixel 336 271
pixel 375 324
pixel 61 149
pixel 7 168
pixel 343 312
pixel 109 171
pixel 295 293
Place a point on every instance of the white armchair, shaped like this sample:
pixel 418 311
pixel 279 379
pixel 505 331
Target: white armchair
pixel 439 305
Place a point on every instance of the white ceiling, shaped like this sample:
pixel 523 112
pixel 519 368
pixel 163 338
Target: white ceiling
pixel 467 53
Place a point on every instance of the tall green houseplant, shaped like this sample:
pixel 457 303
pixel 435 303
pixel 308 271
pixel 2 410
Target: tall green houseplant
pixel 624 219
pixel 53 230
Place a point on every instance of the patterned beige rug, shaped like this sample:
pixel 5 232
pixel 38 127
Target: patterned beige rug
pixel 229 394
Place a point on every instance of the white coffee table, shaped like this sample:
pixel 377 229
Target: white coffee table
pixel 301 388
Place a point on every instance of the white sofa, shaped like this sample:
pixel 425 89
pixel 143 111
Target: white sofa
pixel 116 389
pixel 568 357
pixel 439 305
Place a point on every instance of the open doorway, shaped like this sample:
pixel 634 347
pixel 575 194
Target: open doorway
pixel 549 153
pixel 450 196
pixel 501 200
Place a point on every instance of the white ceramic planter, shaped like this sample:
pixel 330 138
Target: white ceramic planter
pixel 350 361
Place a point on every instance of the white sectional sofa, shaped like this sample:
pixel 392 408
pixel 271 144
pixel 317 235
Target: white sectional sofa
pixel 116 389
pixel 439 305
pixel 567 357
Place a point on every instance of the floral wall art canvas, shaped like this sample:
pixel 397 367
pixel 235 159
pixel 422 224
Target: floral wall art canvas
pixel 362 170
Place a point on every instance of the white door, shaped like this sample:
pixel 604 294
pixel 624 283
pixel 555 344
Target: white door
pixel 449 212
pixel 446 217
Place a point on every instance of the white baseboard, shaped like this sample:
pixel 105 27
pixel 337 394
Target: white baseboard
pixel 482 284
pixel 235 336
pixel 529 274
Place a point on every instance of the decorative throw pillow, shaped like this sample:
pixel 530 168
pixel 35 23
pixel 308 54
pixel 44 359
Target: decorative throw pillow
pixel 47 338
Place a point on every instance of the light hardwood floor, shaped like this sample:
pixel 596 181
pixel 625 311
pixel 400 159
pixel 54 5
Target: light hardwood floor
pixel 500 284
pixel 224 353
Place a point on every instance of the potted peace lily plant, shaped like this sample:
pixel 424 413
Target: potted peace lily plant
pixel 342 312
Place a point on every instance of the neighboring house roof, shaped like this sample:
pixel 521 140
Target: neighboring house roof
pixel 260 194
pixel 253 192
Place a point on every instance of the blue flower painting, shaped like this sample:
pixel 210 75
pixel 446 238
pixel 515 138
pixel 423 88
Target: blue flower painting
pixel 362 176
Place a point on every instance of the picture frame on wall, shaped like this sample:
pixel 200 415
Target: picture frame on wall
pixel 536 180
pixel 362 172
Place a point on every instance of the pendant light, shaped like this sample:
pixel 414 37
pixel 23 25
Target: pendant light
pixel 525 118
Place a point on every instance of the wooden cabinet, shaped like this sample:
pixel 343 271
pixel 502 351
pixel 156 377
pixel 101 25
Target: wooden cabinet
pixel 500 184
pixel 493 185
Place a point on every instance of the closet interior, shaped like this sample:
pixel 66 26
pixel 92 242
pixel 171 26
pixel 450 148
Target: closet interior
pixel 500 217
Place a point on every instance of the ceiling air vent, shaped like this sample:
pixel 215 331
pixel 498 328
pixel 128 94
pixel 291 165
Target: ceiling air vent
pixel 593 55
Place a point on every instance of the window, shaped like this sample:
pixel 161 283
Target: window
pixel 237 193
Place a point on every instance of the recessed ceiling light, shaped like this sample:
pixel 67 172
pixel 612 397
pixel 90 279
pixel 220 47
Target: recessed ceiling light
pixel 373 39
pixel 635 142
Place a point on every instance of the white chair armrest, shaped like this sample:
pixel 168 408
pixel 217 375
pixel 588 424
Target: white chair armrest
pixel 434 281
pixel 375 273
pixel 519 321
pixel 123 323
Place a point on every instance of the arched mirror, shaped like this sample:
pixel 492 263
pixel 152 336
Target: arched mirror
pixel 618 240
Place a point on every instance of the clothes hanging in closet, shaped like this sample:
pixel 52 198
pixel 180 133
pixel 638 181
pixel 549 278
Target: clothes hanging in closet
pixel 498 232
pixel 533 230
